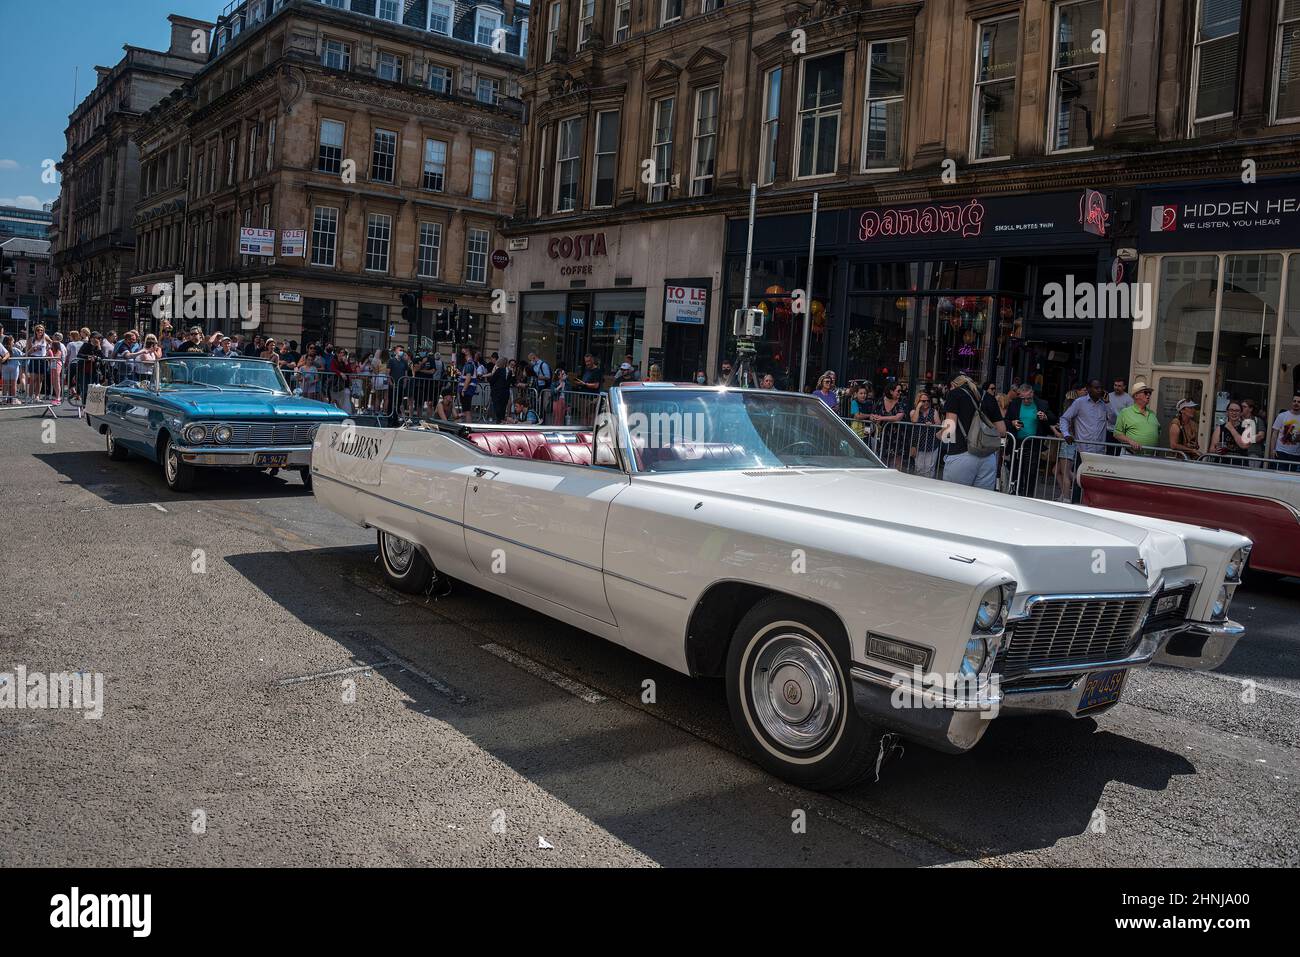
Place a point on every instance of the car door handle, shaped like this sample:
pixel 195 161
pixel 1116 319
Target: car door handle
pixel 481 472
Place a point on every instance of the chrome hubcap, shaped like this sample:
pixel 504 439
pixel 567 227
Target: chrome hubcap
pixel 171 463
pixel 795 691
pixel 109 437
pixel 398 552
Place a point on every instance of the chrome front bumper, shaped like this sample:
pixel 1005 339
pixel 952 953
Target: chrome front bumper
pixel 952 726
pixel 242 456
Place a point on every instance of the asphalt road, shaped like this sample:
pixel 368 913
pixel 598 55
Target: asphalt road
pixel 267 701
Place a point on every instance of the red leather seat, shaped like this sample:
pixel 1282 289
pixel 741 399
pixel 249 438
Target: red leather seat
pixel 535 444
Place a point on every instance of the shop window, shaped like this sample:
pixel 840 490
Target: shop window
pixel 1286 67
pixel 993 115
pixel 541 329
pixel 1185 305
pixel 1252 289
pixel 771 126
pixel 617 329
pixel 882 146
pixel 1288 383
pixel 1075 68
pixel 821 95
pixel 317 322
pixel 1214 66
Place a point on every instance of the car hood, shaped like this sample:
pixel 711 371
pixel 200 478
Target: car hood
pixel 241 404
pixel 1049 547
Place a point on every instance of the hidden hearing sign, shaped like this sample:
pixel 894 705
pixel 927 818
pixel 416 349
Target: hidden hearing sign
pixel 1237 216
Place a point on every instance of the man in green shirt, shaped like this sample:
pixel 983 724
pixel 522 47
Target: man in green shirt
pixel 1137 426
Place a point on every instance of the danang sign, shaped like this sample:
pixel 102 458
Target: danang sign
pixel 1240 216
pixel 996 220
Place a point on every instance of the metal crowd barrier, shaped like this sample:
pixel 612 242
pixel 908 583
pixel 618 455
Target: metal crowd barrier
pixel 1043 466
pixel 31 382
pixel 912 447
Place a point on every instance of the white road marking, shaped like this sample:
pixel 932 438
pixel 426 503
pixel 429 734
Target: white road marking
pixel 105 508
pixel 322 675
pixel 575 688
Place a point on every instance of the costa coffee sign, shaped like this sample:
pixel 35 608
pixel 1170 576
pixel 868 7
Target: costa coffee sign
pixel 573 250
pixel 577 248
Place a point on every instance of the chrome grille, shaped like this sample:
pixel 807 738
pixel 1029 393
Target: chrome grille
pixel 1066 631
pixel 265 433
pixel 1173 617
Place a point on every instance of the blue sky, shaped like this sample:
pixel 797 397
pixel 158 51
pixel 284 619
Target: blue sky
pixel 41 46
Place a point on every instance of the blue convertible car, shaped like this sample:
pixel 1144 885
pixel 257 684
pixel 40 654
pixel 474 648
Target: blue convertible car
pixel 191 412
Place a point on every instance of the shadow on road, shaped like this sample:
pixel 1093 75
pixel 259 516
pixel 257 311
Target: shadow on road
pixel 1030 783
pixel 138 481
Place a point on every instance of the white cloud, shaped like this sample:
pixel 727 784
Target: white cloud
pixel 26 202
pixel 8 165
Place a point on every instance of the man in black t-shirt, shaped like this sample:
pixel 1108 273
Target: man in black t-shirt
pixel 960 465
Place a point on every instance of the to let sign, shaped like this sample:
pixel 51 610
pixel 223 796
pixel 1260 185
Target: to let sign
pixel 687 305
pixel 256 242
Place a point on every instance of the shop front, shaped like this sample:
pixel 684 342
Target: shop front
pixel 1222 262
pixel 645 290
pixel 921 293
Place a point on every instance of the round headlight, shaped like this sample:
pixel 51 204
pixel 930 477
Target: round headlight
pixel 988 617
pixel 977 652
pixel 224 434
pixel 1220 607
pixel 1236 565
pixel 195 434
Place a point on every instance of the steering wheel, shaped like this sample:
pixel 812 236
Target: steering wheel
pixel 796 444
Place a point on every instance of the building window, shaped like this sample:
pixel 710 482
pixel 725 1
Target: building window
pixel 487 89
pixel 605 162
pixel 337 55
pixel 1286 69
pixel 476 256
pixel 484 162
pixel 429 254
pixel 1214 65
pixel 708 6
pixel 230 162
pixel 882 145
pixel 390 10
pixel 661 149
pixel 486 25
pixel 771 127
pixel 252 150
pixel 379 233
pixel 523 37
pixel 331 146
pixel 270 144
pixel 266 215
pixel 383 156
pixel 670 12
pixel 821 96
pixel 622 20
pixel 704 141
pixel 440 79
pixel 568 146
pixel 586 17
pixel 389 67
pixel 552 30
pixel 544 140
pixel 435 165
pixel 198 176
pixel 324 235
pixel 993 127
pixel 441 14
pixel 213 171
pixel 1075 68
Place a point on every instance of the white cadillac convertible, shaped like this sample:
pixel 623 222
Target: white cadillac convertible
pixel 753 535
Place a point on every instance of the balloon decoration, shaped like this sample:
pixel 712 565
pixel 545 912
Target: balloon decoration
pixel 901 303
pixel 947 308
pixel 818 317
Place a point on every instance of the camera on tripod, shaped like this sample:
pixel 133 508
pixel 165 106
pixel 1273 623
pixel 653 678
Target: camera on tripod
pixel 748 324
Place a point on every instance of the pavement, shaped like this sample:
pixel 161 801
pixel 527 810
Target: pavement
pixel 269 701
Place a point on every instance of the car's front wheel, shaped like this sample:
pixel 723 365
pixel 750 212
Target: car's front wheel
pixel 405 566
pixel 180 477
pixel 116 451
pixel 791 699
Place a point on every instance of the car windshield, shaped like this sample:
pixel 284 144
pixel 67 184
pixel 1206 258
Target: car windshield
pixel 222 373
pixel 679 430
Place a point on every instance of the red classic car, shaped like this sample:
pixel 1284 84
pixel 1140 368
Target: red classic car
pixel 1261 503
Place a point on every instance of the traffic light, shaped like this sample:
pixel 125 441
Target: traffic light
pixel 411 309
pixel 442 330
pixel 468 326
